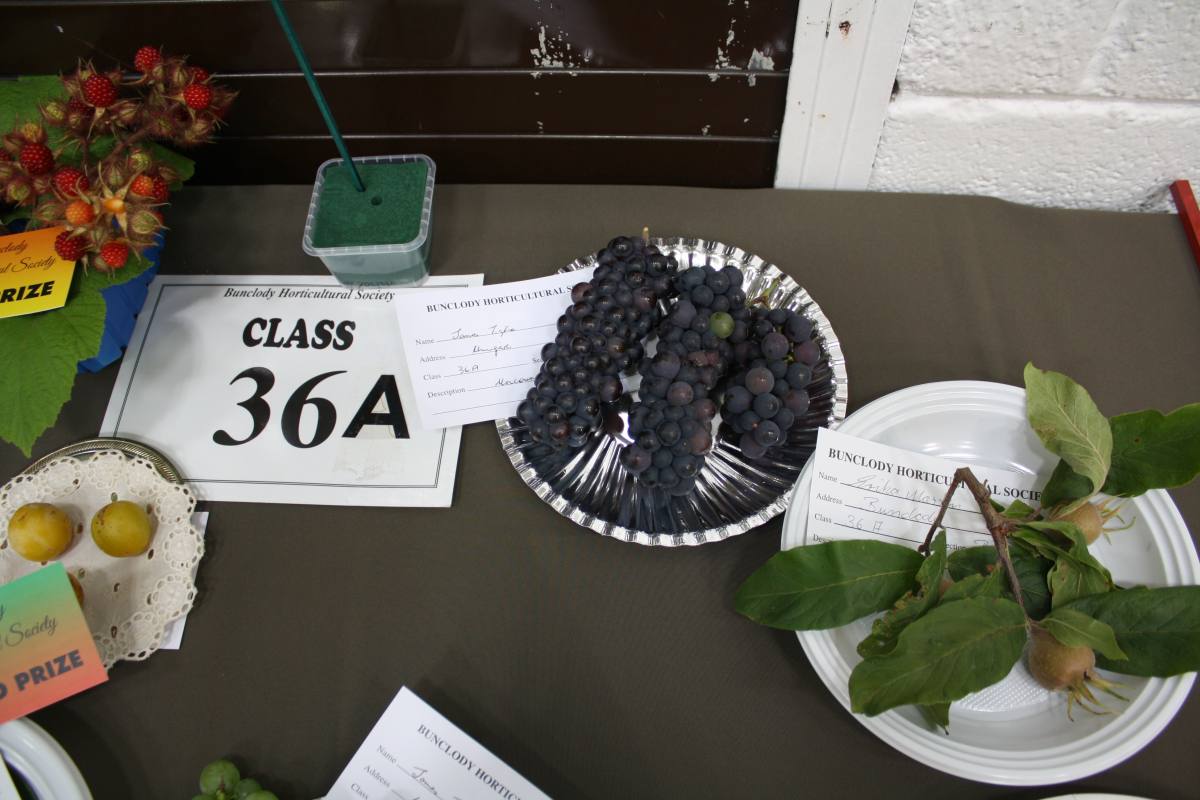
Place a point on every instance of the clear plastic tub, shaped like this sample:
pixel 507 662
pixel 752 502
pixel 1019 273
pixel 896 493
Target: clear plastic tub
pixel 390 264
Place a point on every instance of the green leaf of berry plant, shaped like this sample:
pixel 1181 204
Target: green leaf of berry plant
pixel 40 355
pixel 886 630
pixel 1154 451
pixel 1076 629
pixel 828 584
pixel 955 649
pixel 1158 629
pixel 39 359
pixel 21 99
pixel 1065 418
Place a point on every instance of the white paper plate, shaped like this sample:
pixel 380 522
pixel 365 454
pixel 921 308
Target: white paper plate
pixel 1013 733
pixel 42 763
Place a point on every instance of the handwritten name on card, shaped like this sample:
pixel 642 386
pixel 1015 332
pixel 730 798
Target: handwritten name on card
pixel 46 649
pixel 414 753
pixel 862 489
pixel 473 353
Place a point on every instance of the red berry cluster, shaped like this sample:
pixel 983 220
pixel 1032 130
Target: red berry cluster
pixel 109 207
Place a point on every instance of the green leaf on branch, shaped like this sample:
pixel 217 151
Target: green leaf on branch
pixel 886 630
pixel 1031 572
pixel 21 99
pixel 1076 572
pixel 1076 629
pixel 42 352
pixel 185 166
pixel 936 714
pixel 1019 510
pixel 990 585
pixel 955 649
pixel 1158 629
pixel 1154 451
pixel 829 584
pixel 970 561
pixel 1065 418
pixel 1065 487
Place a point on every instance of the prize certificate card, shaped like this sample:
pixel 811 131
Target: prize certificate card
pixel 282 389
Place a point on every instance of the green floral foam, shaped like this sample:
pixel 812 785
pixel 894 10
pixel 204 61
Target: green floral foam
pixel 388 212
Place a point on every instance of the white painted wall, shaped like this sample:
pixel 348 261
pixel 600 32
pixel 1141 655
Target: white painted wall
pixel 1068 103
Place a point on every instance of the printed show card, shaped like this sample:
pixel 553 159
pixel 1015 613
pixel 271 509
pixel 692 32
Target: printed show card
pixel 282 389
pixel 46 649
pixel 474 353
pixel 414 753
pixel 32 276
pixel 861 489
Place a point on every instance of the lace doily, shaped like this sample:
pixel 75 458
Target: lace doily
pixel 127 601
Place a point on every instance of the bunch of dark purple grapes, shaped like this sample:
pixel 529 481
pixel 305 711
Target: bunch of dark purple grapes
pixel 768 391
pixel 671 424
pixel 598 338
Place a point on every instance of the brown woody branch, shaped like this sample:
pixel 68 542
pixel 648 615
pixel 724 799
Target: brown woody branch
pixel 998 525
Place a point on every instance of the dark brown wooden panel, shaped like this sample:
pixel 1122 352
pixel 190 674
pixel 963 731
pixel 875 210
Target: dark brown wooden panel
pixel 243 35
pixel 699 161
pixel 512 102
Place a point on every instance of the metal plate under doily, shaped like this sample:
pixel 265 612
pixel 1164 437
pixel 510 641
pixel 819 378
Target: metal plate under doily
pixel 733 494
pixel 128 602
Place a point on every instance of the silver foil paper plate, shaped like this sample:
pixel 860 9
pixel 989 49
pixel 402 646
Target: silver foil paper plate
pixel 733 493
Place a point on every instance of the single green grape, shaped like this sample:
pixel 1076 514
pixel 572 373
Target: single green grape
pixel 721 324
pixel 204 797
pixel 220 775
pixel 246 787
pixel 262 794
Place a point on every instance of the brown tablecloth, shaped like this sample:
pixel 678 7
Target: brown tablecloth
pixel 600 669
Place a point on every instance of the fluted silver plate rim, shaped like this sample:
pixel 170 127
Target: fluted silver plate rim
pixel 784 292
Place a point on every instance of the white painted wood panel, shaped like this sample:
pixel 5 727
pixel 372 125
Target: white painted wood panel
pixel 843 68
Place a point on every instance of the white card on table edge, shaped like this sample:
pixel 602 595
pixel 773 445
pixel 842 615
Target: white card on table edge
pixel 414 746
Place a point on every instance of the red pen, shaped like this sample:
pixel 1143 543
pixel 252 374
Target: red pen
pixel 1189 214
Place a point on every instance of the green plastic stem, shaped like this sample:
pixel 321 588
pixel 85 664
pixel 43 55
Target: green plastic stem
pixel 286 24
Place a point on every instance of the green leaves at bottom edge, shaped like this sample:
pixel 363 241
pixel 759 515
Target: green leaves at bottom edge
pixel 953 650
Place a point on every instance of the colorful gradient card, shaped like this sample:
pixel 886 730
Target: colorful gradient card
pixel 46 649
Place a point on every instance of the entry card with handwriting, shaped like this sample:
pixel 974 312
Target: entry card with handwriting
pixel 474 353
pixel 862 489
pixel 46 649
pixel 282 389
pixel 414 753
